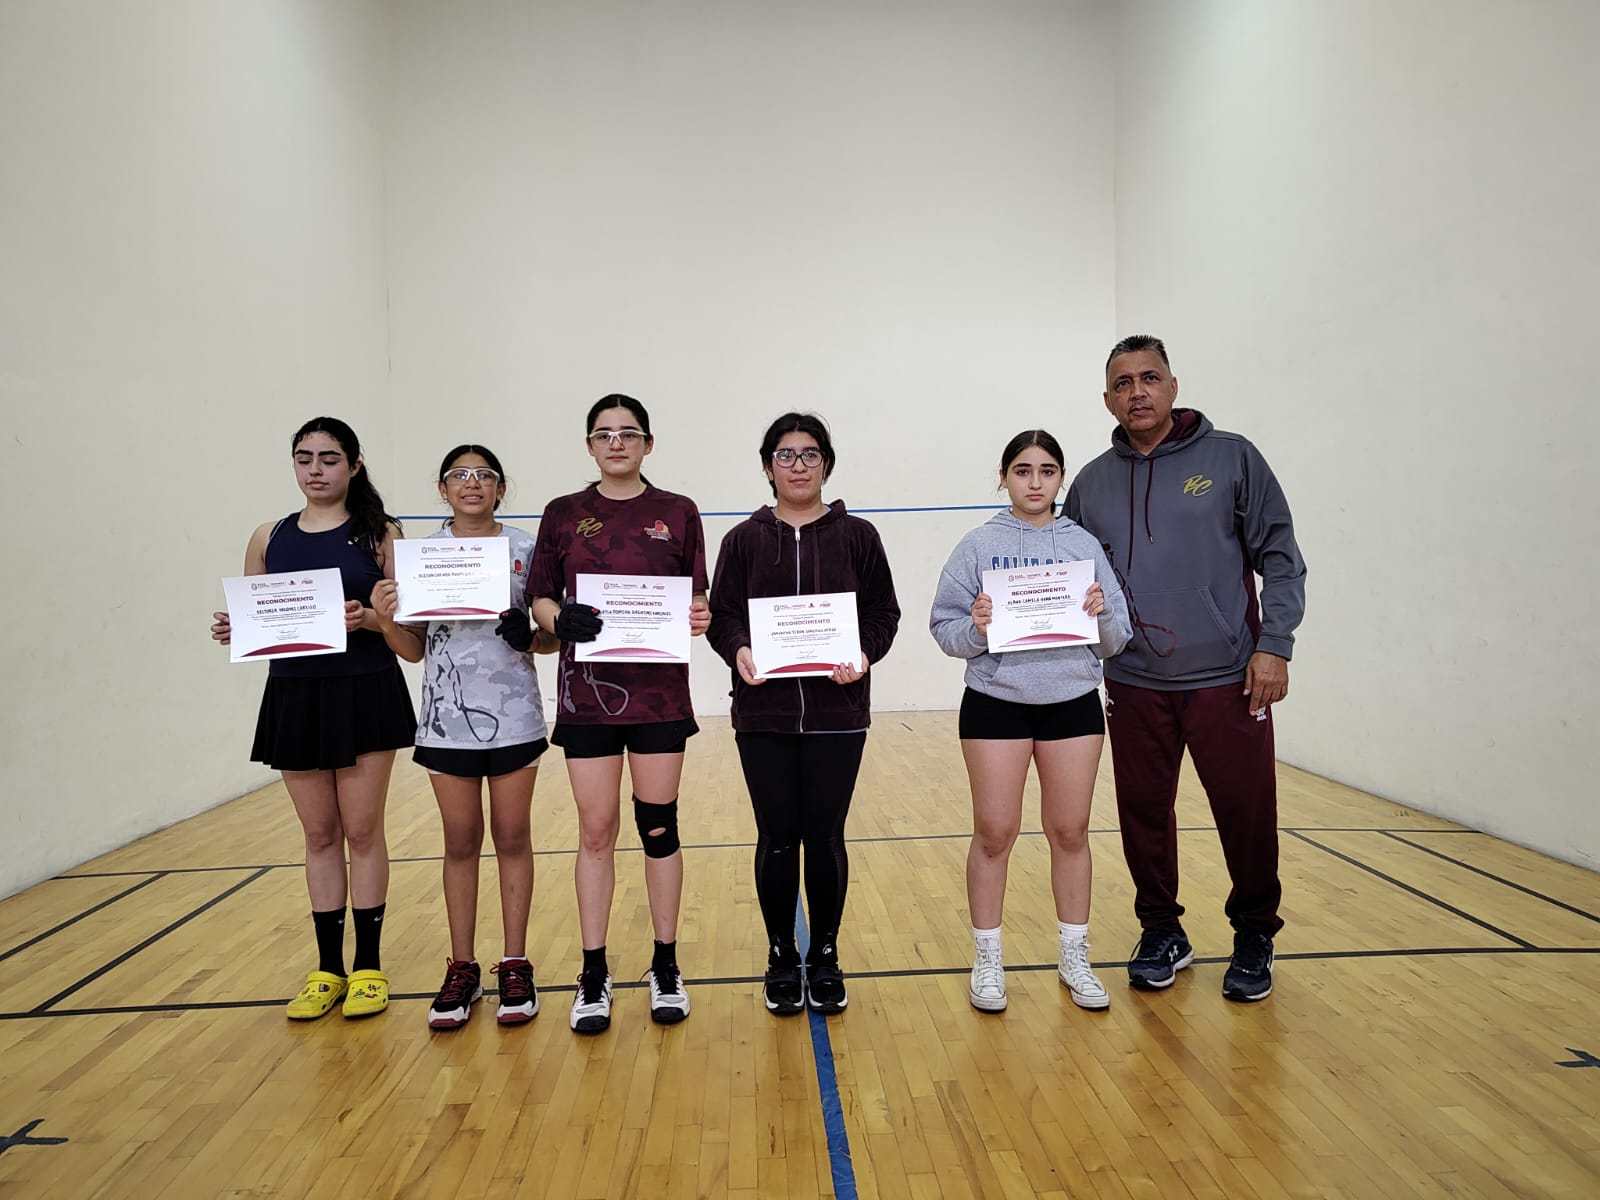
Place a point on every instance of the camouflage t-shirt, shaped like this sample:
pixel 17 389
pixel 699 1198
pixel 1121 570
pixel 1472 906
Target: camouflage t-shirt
pixel 655 533
pixel 477 692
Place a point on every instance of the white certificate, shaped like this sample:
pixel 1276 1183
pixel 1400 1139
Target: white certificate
pixel 452 578
pixel 804 635
pixel 1039 608
pixel 290 615
pixel 646 618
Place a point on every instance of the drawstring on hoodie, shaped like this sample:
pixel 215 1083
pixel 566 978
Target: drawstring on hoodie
pixel 1149 482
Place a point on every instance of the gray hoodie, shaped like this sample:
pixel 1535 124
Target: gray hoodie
pixel 1190 526
pixel 1024 676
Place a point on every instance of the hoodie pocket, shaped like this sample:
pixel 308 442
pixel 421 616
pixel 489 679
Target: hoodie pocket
pixel 1183 634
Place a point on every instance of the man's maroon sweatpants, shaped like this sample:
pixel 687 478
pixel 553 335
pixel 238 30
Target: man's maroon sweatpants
pixel 1233 755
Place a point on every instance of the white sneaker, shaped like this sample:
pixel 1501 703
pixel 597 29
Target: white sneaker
pixel 669 1002
pixel 591 1007
pixel 987 990
pixel 1085 987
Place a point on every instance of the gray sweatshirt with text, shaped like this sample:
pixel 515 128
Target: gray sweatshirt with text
pixel 1024 676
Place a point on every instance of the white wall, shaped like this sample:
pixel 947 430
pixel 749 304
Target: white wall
pixel 193 266
pixel 1368 232
pixel 896 214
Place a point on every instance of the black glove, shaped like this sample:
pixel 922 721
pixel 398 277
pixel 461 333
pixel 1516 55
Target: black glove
pixel 515 630
pixel 578 622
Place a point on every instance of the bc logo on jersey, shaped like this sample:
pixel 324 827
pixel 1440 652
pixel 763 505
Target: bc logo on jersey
pixel 588 527
pixel 1196 485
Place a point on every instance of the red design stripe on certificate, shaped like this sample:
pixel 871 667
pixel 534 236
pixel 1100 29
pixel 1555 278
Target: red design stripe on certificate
pixel 462 611
pixel 1046 639
pixel 633 652
pixel 286 648
pixel 794 667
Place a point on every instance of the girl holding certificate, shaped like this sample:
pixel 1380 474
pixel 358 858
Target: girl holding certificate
pixel 1041 705
pixel 620 525
pixel 331 723
pixel 800 741
pixel 482 719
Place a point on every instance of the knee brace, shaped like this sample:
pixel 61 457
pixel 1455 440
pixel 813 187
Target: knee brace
pixel 658 827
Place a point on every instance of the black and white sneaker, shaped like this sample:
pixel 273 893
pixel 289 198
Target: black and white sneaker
pixel 1249 975
pixel 463 987
pixel 1158 958
pixel 519 999
pixel 591 1007
pixel 825 982
pixel 783 989
pixel 669 1002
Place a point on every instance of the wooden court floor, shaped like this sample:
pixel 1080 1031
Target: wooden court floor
pixel 1433 1031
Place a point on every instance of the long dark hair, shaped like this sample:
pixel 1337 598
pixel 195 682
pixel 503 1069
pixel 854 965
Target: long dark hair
pixel 483 452
pixel 369 521
pixel 796 422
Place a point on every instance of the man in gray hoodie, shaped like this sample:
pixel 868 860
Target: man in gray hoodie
pixel 1189 516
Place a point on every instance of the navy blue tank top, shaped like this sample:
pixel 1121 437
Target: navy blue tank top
pixel 291 548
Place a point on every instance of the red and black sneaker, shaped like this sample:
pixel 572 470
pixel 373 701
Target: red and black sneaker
pixel 463 985
pixel 519 999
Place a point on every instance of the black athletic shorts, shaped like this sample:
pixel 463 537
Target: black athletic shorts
pixel 608 741
pixel 479 764
pixel 983 718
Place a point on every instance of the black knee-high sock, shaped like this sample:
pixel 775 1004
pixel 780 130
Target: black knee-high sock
pixel 330 940
pixel 369 935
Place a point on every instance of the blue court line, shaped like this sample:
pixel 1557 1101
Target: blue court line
pixel 844 1172
pixel 442 517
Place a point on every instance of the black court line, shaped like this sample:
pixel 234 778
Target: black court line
pixel 1415 891
pixel 149 941
pixel 755 980
pixel 183 870
pixel 88 912
pixel 1528 891
pixel 888 837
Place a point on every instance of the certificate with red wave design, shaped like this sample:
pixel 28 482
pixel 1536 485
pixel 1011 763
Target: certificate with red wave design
pixel 293 614
pixel 452 579
pixel 804 635
pixel 645 618
pixel 1040 608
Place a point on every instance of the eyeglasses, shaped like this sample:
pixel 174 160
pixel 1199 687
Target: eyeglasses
pixel 473 475
pixel 810 456
pixel 616 437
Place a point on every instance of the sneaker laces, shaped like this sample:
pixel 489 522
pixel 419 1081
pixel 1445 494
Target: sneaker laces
pixel 667 978
pixel 459 985
pixel 1075 958
pixel 591 986
pixel 988 970
pixel 1251 953
pixel 516 980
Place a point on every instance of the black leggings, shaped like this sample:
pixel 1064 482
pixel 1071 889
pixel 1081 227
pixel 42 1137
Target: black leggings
pixel 800 787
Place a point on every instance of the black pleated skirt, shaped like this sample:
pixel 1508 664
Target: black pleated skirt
pixel 322 724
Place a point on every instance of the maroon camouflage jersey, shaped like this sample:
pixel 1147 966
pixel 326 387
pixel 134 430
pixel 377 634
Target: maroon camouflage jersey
pixel 655 533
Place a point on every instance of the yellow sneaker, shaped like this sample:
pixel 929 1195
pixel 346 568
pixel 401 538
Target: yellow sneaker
pixel 321 993
pixel 369 994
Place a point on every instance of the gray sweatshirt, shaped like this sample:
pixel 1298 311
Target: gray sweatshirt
pixel 1024 676
pixel 1190 526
